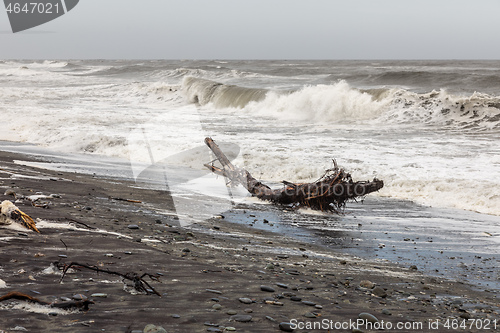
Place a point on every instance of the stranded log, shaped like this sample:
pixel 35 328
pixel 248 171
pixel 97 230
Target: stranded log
pixel 330 192
pixel 69 305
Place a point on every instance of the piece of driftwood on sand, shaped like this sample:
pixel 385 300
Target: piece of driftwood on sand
pixel 139 283
pixel 329 193
pixel 68 305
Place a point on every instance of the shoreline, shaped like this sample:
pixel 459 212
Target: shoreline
pixel 206 268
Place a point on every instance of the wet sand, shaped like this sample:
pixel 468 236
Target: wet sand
pixel 445 243
pixel 211 273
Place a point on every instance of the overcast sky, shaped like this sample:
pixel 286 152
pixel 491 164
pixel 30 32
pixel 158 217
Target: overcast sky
pixel 258 29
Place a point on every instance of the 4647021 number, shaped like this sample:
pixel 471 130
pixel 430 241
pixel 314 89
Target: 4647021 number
pixel 468 324
pixel 34 8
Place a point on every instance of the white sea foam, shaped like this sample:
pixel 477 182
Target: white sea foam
pixel 45 224
pixel 322 103
pixel 35 308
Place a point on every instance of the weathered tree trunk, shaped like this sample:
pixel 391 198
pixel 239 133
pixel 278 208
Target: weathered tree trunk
pixel 330 192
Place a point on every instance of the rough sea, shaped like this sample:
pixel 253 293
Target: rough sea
pixel 429 129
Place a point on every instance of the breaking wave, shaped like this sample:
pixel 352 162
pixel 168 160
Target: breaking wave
pixel 202 92
pixel 163 72
pixel 341 103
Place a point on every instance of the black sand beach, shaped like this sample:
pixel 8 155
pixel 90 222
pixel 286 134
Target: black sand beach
pixel 215 276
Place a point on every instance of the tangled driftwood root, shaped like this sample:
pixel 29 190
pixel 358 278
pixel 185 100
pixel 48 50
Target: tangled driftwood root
pixel 138 281
pixel 330 192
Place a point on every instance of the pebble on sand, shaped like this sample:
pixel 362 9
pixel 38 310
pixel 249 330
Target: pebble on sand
pixel 267 288
pixel 465 315
pixel 379 292
pixel 368 317
pixel 79 297
pixel 245 300
pixel 386 312
pixel 242 318
pixel 286 327
pixel 367 284
pixel 214 291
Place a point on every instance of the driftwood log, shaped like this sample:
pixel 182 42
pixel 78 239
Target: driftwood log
pixel 82 305
pixel 329 193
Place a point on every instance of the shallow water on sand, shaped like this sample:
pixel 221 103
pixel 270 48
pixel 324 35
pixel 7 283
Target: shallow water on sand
pixel 441 242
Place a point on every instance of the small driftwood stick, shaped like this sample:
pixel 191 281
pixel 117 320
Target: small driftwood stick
pixel 77 222
pixel 127 200
pixel 139 283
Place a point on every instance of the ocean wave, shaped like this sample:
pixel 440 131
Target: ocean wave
pixel 45 64
pixel 202 92
pixel 477 111
pixel 72 67
pixel 457 80
pixel 473 195
pixel 41 71
pixel 170 72
pixel 182 72
pixel 411 78
pixel 115 70
pixel 342 103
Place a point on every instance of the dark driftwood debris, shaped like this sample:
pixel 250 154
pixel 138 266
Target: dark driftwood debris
pixel 139 283
pixel 329 193
pixel 82 305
